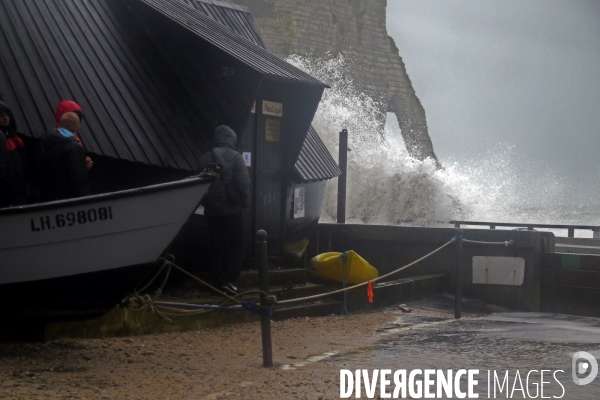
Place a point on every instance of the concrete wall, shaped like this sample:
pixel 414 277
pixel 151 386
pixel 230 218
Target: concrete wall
pixel 390 247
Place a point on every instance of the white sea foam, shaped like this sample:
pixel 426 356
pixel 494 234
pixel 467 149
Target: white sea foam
pixel 387 186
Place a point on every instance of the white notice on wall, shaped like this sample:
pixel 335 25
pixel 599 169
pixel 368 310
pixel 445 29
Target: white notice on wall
pixel 299 202
pixel 498 270
pixel 272 108
pixel 199 210
pixel 247 158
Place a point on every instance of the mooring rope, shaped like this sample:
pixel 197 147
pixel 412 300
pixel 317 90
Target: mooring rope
pixel 345 268
pixel 151 281
pixel 317 296
pixel 140 302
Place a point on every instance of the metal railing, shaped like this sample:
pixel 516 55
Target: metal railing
pixel 570 228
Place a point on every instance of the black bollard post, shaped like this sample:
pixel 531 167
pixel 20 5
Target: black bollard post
pixel 343 162
pixel 263 278
pixel 459 262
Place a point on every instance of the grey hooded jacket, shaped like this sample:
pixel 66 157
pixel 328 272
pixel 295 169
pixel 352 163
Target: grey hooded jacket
pixel 230 193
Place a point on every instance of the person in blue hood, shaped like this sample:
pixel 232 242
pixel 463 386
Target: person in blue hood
pixel 223 205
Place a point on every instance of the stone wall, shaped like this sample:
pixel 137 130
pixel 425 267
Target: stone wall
pixel 358 27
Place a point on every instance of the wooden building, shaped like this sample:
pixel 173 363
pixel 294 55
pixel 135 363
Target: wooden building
pixel 154 78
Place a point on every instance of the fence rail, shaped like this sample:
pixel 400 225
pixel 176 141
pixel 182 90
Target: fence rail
pixel 530 227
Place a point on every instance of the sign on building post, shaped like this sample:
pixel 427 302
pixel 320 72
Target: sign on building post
pixel 273 129
pixel 272 108
pixel 299 202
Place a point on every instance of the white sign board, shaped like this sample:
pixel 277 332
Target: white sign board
pixel 299 202
pixel 199 210
pixel 247 158
pixel 272 108
pixel 498 270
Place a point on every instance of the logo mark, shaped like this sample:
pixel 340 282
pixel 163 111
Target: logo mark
pixel 580 367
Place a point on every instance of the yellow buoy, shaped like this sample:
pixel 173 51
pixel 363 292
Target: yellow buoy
pixel 329 266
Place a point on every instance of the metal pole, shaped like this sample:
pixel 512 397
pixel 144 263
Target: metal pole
pixel 343 162
pixel 459 262
pixel 263 278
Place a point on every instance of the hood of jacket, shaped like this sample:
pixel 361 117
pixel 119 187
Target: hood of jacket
pixel 224 136
pixel 67 106
pixel 54 137
pixel 12 125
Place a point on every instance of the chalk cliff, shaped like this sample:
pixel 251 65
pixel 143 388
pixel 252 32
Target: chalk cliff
pixel 316 27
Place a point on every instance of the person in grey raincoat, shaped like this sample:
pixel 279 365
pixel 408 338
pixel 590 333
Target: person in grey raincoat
pixel 223 205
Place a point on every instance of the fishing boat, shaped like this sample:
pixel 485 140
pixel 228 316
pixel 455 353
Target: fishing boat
pixel 82 256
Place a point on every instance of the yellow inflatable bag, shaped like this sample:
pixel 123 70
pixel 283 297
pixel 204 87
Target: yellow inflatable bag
pixel 330 266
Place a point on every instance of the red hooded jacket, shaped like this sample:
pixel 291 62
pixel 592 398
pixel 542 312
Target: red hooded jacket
pixel 66 106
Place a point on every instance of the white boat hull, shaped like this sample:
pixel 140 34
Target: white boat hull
pixel 93 236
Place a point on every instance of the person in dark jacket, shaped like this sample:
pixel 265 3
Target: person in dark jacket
pixel 63 161
pixel 13 162
pixel 70 106
pixel 223 205
pixel 5 197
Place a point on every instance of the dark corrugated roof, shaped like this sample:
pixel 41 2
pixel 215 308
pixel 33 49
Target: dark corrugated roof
pixel 235 17
pixel 151 92
pixel 315 163
pixel 143 97
pixel 230 42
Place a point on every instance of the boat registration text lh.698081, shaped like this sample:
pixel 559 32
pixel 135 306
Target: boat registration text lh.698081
pixel 80 217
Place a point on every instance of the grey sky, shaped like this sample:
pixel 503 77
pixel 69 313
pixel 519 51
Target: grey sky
pixel 525 73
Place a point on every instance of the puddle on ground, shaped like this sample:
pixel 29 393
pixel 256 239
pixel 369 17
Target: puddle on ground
pixel 551 328
pixel 498 342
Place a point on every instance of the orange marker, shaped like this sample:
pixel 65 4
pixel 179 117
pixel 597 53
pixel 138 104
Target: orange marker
pixel 370 291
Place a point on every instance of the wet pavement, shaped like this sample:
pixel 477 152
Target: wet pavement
pixel 492 343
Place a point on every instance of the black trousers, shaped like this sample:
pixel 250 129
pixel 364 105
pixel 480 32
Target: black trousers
pixel 227 247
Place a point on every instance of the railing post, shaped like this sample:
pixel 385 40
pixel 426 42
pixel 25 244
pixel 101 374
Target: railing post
pixel 571 232
pixel 343 162
pixel 459 261
pixel 263 278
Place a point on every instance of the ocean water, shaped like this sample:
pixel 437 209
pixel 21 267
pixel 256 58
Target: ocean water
pixel 387 186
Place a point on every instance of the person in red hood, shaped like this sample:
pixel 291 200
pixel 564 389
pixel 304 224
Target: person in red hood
pixel 70 106
pixel 13 160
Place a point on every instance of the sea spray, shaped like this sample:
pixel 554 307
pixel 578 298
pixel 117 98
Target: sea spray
pixel 387 186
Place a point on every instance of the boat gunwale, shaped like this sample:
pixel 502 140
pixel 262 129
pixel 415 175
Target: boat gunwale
pixel 104 196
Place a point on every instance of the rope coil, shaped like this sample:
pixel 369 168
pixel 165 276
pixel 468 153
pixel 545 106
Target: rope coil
pixel 138 302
